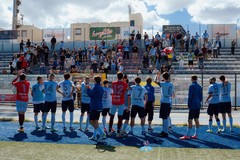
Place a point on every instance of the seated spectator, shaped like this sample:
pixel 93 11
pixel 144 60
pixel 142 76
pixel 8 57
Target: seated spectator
pixel 140 71
pixel 4 71
pixel 120 67
pixel 135 51
pixel 113 67
pixel 43 69
pixel 150 71
pixel 94 66
pixel 155 71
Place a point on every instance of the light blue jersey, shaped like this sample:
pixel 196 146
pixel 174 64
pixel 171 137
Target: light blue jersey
pixel 166 92
pixel 85 98
pixel 37 93
pixel 128 93
pixel 225 92
pixel 66 88
pixel 107 97
pixel 214 89
pixel 137 95
pixel 50 91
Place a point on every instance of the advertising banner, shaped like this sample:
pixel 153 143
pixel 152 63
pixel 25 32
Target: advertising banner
pixel 227 31
pixel 99 33
pixel 60 34
pixel 8 34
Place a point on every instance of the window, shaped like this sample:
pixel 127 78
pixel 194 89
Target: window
pixel 78 31
pixel 132 23
pixel 24 33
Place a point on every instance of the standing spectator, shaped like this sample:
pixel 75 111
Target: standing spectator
pixel 94 66
pixel 28 43
pixel 43 43
pixel 196 52
pixel 218 36
pixel 145 36
pixel 204 52
pixel 138 38
pixel 53 43
pixel 197 38
pixel 152 54
pixel 205 37
pixel 193 43
pixel 135 51
pixel 21 46
pixel 181 61
pixel 145 60
pixel 126 51
pixel 233 45
pixel 46 53
pixel 157 36
pixel 182 44
pixel 158 61
pixel 214 47
pixel 61 45
pixel 62 61
pixel 190 60
pixel 147 44
pixel 200 61
pixel 209 49
pixel 164 36
pixel 188 35
pixel 219 46
pixel 113 67
pixel 187 44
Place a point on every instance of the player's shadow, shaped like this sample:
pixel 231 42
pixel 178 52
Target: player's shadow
pixel 103 147
pixel 71 134
pixel 212 144
pixel 53 137
pixel 19 137
pixel 38 133
pixel 230 136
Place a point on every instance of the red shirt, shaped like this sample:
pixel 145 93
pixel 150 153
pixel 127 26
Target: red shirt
pixel 22 90
pixel 119 89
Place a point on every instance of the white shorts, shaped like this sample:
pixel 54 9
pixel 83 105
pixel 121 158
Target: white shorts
pixel 21 106
pixel 115 108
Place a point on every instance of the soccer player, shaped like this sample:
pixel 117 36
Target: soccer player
pixel 119 89
pixel 50 88
pixel 38 102
pixel 126 113
pixel 96 107
pixel 150 103
pixel 213 100
pixel 107 102
pixel 225 102
pixel 139 99
pixel 22 88
pixel 167 92
pixel 66 89
pixel 85 103
pixel 194 105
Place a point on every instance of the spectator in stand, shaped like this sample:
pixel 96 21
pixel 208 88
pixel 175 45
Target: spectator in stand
pixel 55 55
pixel 173 42
pixel 197 38
pixel 181 61
pixel 145 60
pixel 152 54
pixel 84 55
pixel 150 71
pixel 215 48
pixel 147 44
pixel 12 67
pixel 179 37
pixel 138 38
pixel 46 53
pixel 113 67
pixel 219 46
pixel 28 43
pixel 62 61
pixel 61 45
pixel 193 43
pixel 187 44
pixel 135 52
pixel 24 65
pixel 94 66
pixel 145 37
pixel 42 69
pixel 120 67
pixel 126 51
pixel 209 49
pixel 196 52
pixel 200 61
pixel 53 43
pixel 43 43
pixel 233 46
pixel 218 36
pixel 204 52
pixel 164 37
pixel 181 41
pixel 155 71
pixel 190 60
pixel 205 37
pixel 158 61
pixel 188 35
pixel 21 46
pixel 157 36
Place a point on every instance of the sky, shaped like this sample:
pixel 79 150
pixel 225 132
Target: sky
pixel 61 13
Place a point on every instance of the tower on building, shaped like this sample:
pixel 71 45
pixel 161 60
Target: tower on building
pixel 15 21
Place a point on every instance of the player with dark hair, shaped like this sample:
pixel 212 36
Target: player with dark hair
pixel 22 87
pixel 38 102
pixel 66 89
pixel 167 92
pixel 96 107
pixel 106 101
pixel 225 102
pixel 194 105
pixel 213 100
pixel 150 103
pixel 50 88
pixel 119 89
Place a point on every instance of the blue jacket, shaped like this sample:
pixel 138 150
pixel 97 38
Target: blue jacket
pixel 95 95
pixel 195 96
pixel 150 92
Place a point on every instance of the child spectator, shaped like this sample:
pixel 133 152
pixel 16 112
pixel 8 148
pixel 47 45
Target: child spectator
pixel 190 60
pixel 181 61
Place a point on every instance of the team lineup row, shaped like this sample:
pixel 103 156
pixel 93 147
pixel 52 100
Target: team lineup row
pixel 128 101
